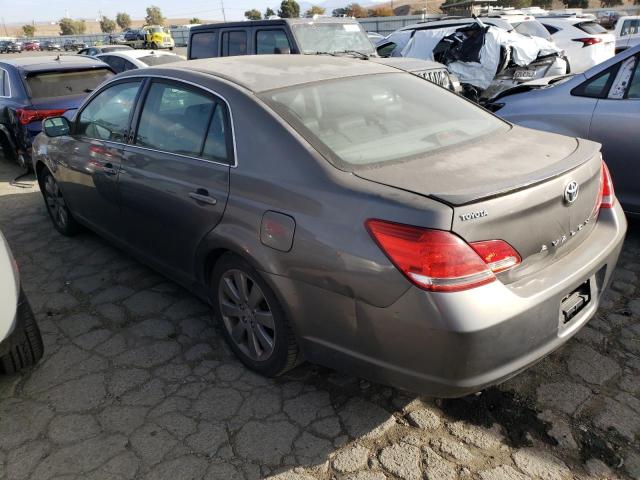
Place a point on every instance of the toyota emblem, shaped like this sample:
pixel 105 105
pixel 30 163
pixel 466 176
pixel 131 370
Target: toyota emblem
pixel 571 192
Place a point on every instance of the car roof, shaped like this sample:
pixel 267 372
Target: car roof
pixel 452 22
pixel 260 73
pixel 53 62
pixel 271 23
pixel 135 54
pixel 564 20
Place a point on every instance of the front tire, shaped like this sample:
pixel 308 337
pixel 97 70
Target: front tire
pixel 26 347
pixel 59 213
pixel 253 322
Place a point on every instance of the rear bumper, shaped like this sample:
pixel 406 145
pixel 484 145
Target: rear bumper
pixel 453 344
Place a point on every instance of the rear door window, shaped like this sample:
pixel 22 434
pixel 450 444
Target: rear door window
pixel 66 83
pixel 106 117
pixel 550 28
pixel 272 42
pixel 596 87
pixel 234 42
pixel 204 45
pixel 175 119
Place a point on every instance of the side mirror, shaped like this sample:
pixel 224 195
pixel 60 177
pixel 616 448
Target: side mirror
pixel 56 127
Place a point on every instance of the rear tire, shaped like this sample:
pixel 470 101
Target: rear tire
pixel 27 348
pixel 57 209
pixel 253 322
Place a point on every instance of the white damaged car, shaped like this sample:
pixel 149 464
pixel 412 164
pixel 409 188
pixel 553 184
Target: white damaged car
pixel 20 339
pixel 486 54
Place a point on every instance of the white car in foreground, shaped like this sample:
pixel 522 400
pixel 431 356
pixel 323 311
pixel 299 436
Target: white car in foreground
pixel 20 339
pixel 124 60
pixel 585 42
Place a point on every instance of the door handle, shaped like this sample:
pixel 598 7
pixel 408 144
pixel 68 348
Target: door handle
pixel 201 195
pixel 108 169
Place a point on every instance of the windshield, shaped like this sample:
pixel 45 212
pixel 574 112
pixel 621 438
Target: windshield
pixel 367 120
pixel 331 37
pixel 66 83
pixel 152 60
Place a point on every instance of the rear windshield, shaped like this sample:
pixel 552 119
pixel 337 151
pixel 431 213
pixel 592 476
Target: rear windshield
pixel 592 28
pixel 331 37
pixel 367 120
pixel 67 83
pixel 152 60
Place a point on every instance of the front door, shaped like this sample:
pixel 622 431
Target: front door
pixel 94 157
pixel 175 178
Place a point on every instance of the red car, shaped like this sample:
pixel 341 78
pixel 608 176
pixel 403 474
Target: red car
pixel 32 46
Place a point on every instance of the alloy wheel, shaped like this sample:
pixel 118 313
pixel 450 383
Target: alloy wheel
pixel 246 314
pixel 55 202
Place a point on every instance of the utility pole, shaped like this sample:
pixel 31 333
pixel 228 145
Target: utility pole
pixel 224 16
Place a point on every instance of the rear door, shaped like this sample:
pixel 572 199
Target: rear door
pixel 175 179
pixel 615 125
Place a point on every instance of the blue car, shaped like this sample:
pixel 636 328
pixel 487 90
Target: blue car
pixel 35 88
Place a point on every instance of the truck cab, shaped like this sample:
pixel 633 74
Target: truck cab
pixel 279 36
pixel 152 37
pixel 627 32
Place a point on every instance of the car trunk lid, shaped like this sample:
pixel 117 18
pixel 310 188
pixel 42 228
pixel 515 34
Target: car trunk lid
pixel 510 188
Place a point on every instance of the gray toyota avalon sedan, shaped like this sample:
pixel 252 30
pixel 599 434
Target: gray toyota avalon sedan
pixel 343 212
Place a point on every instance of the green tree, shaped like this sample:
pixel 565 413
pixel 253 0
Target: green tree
pixel 154 16
pixel 253 14
pixel 610 3
pixel 314 10
pixel 339 12
pixel 68 26
pixel 355 10
pixel 81 27
pixel 195 20
pixel 269 13
pixel 107 25
pixel 546 4
pixel 289 9
pixel 123 20
pixel 29 30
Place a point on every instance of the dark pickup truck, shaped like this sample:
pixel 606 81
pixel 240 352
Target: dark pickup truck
pixel 307 36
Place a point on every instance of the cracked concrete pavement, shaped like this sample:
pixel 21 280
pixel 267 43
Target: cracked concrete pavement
pixel 137 383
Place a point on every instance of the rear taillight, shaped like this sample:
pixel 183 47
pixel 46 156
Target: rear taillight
pixel 26 116
pixel 588 41
pixel 606 188
pixel 440 261
pixel 497 254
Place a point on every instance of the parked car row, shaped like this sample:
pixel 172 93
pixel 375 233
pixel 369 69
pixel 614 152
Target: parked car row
pixel 332 205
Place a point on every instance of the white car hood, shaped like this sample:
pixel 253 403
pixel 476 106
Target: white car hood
pixel 8 290
pixel 524 51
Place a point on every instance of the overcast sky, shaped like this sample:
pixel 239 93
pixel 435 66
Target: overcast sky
pixel 13 11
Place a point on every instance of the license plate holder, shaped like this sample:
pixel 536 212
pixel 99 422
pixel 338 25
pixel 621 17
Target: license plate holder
pixel 524 75
pixel 573 303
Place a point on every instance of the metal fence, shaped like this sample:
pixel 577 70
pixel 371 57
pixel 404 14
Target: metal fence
pixel 386 25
